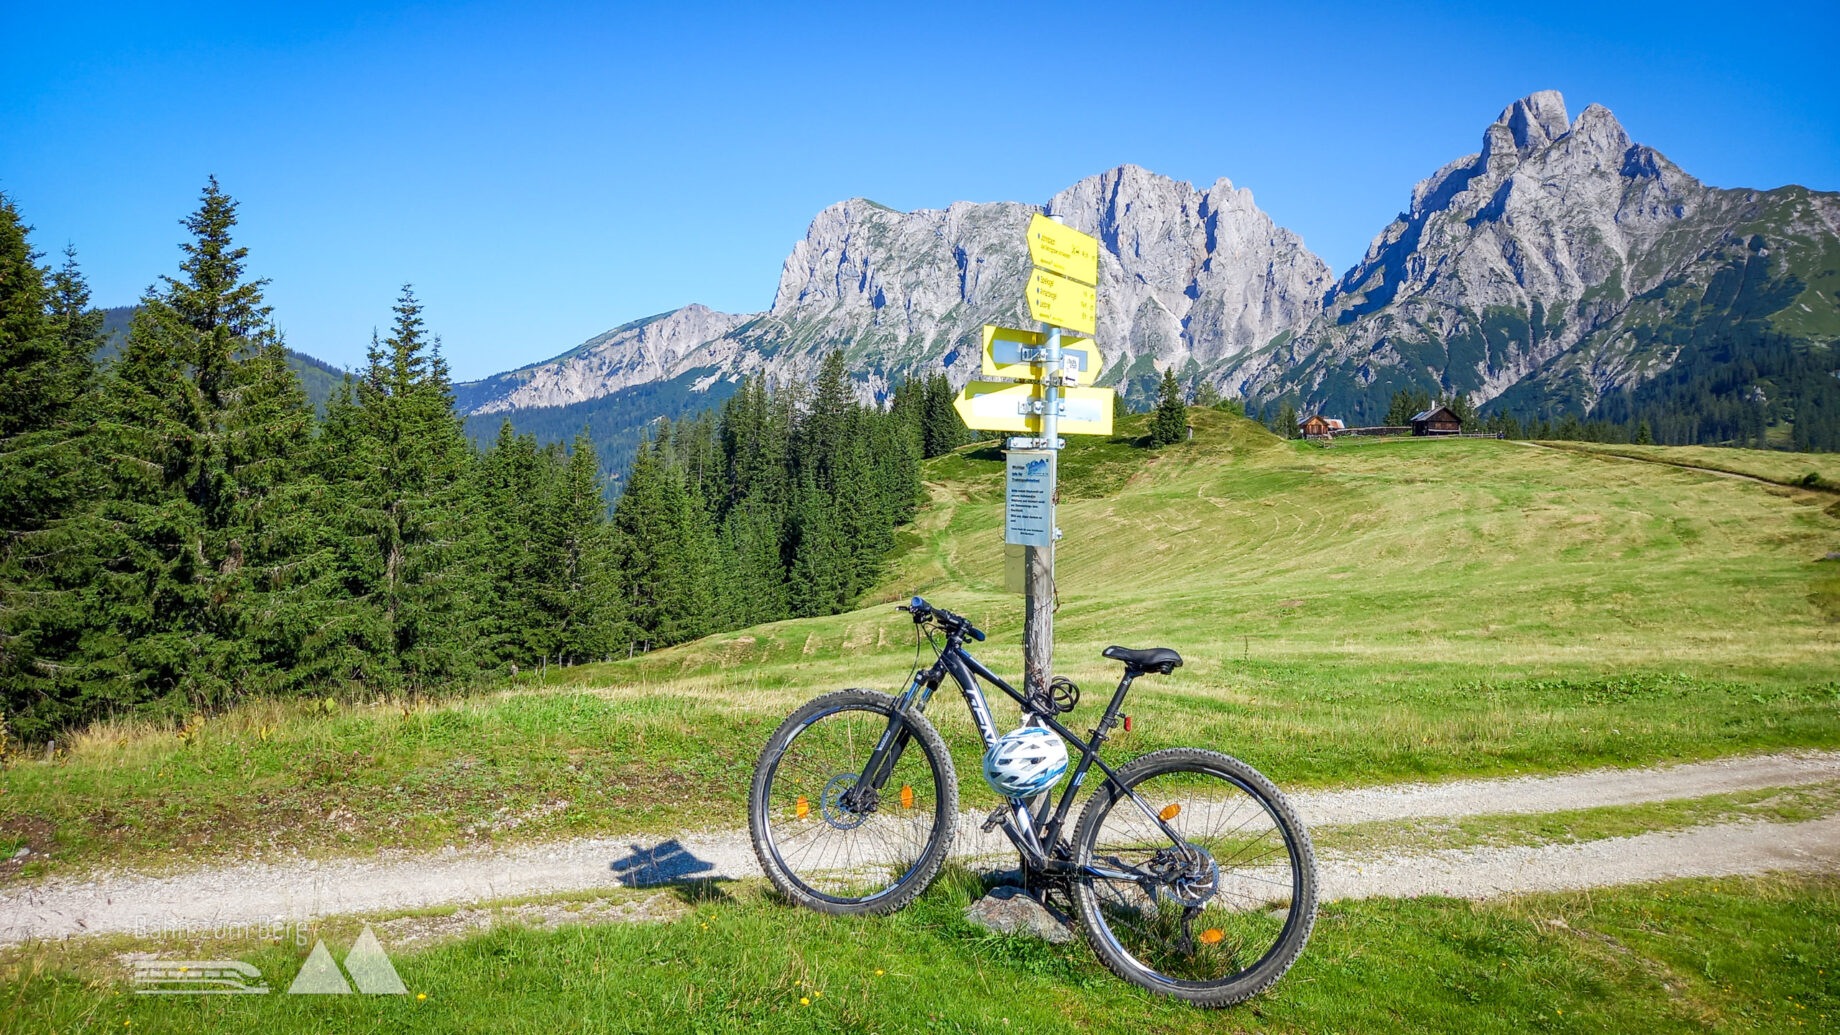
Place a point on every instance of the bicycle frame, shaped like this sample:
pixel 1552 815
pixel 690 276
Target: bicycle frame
pixel 1034 833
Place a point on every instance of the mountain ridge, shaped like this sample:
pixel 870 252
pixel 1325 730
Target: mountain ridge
pixel 1525 272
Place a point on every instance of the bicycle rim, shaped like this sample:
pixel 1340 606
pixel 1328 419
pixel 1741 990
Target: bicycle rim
pixel 844 847
pixel 1215 910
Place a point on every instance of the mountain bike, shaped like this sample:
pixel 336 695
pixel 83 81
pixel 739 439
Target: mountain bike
pixel 1188 871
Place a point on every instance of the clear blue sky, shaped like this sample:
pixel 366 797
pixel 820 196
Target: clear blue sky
pixel 544 172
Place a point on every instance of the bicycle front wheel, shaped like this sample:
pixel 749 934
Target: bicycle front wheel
pixel 1215 919
pixel 831 841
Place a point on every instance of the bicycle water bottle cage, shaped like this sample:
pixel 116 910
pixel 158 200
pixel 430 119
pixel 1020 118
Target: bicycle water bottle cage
pixel 1151 659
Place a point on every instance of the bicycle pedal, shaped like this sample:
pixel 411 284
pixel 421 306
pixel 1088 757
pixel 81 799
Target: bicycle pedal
pixel 996 818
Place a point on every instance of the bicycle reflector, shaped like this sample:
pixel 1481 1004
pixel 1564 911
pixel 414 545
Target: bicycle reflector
pixel 1169 812
pixel 1212 935
pixel 907 796
pixel 803 809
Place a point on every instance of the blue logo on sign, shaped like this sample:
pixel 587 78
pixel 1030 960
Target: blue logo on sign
pixel 1036 467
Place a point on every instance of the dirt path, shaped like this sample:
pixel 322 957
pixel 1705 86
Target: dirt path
pixel 126 903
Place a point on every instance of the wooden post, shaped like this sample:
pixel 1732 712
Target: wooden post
pixel 1038 561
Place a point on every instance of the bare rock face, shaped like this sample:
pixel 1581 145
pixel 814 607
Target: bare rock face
pixel 645 350
pixel 1186 274
pixel 1542 264
pixel 1522 261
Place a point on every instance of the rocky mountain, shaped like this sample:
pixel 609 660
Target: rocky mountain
pixel 1187 275
pixel 1562 268
pixel 1542 271
pixel 635 353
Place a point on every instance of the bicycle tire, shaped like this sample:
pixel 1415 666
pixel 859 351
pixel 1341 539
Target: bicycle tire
pixel 1123 922
pixel 774 822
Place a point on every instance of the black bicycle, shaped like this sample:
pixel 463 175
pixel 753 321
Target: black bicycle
pixel 1189 872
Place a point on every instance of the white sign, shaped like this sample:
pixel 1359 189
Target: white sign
pixel 1028 512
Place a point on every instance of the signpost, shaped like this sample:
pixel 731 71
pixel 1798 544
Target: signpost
pixel 1062 249
pixel 1023 407
pixel 1060 302
pixel 1013 353
pixel 1049 398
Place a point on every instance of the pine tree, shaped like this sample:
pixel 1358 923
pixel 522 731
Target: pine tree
pixel 581 577
pixel 397 463
pixel 51 543
pixel 1286 420
pixel 205 426
pixel 1170 424
pixel 1644 436
pixel 941 428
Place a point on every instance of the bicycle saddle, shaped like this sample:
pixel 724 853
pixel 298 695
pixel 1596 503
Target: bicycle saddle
pixel 1150 659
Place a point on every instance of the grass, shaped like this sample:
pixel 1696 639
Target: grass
pixel 1572 826
pixel 1812 470
pixel 1687 956
pixel 1407 610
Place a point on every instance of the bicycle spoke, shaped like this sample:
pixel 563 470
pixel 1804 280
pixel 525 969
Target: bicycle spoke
pixel 1211 908
pixel 825 838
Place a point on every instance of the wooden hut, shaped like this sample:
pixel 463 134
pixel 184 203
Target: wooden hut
pixel 1316 424
pixel 1438 420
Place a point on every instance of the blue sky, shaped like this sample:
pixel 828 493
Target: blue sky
pixel 544 172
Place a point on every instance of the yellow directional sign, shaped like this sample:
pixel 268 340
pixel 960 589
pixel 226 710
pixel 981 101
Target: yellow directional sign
pixel 1064 250
pixel 1055 299
pixel 989 406
pixel 1086 411
pixel 1009 352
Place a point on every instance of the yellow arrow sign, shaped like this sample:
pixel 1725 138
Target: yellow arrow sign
pixel 1055 299
pixel 989 406
pixel 1064 250
pixel 1009 352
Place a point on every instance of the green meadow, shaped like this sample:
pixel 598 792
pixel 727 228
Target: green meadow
pixel 1397 610
pixel 1753 955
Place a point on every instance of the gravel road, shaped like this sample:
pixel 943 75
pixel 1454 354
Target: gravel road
pixel 304 890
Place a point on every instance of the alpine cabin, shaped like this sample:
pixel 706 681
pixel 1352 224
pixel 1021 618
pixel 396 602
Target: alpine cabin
pixel 1438 420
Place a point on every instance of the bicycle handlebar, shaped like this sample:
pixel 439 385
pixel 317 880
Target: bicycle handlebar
pixel 922 610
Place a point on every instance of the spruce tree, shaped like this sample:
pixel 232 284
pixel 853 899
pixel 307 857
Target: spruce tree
pixel 581 577
pixel 51 543
pixel 205 426
pixel 1170 424
pixel 1286 420
pixel 396 460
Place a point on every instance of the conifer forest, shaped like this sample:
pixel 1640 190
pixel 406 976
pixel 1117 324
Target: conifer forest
pixel 181 531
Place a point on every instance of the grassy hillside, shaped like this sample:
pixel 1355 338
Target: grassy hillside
pixel 1405 609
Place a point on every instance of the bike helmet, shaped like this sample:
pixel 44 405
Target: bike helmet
pixel 1025 762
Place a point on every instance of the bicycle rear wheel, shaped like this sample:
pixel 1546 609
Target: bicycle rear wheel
pixel 833 846
pixel 1216 920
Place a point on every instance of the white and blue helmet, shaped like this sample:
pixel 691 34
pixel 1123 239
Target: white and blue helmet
pixel 1025 762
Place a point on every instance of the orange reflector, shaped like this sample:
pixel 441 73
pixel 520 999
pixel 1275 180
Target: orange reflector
pixel 1169 812
pixel 804 808
pixel 907 796
pixel 1212 935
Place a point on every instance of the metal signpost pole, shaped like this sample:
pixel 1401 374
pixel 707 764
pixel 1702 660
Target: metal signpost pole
pixel 1038 561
